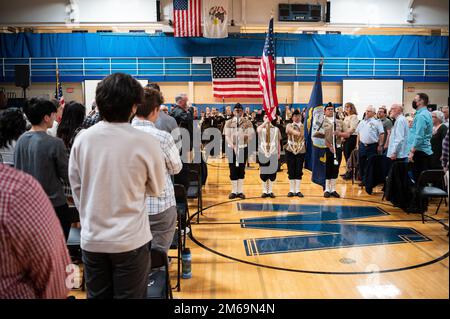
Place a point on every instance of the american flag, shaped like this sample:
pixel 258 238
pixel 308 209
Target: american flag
pixel 187 17
pixel 267 75
pixel 235 77
pixel 58 90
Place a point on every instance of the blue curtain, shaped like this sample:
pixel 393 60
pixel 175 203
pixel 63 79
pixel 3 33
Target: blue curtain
pixel 297 45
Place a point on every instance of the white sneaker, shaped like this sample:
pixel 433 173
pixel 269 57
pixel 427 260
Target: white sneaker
pixel 188 230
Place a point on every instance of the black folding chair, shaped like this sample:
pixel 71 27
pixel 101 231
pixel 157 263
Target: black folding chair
pixel 182 221
pixel 430 184
pixel 195 186
pixel 159 286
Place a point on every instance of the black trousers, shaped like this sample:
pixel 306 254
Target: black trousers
pixel 332 170
pixel 421 163
pixel 268 167
pixel 295 165
pixel 364 153
pixel 65 218
pixel 237 172
pixel 349 146
pixel 119 276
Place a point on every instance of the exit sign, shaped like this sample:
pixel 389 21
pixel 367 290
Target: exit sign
pixel 411 89
pixel 69 90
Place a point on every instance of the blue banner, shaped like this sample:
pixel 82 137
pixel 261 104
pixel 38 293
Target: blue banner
pixel 315 144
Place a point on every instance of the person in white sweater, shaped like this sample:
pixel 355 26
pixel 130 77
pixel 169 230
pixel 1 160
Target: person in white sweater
pixel 112 167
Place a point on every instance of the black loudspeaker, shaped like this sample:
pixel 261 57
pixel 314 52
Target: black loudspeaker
pixel 158 10
pixel 22 75
pixel 327 16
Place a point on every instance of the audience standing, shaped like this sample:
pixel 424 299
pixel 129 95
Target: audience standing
pixel 422 129
pixel 445 146
pixel 59 111
pixel 350 124
pixel 162 210
pixel 370 136
pixel 387 126
pixel 3 101
pixel 93 117
pixel 439 132
pixel 45 157
pixel 165 122
pixel 445 111
pixel 398 140
pixel 68 128
pixel 184 116
pixel 112 167
pixel 33 254
pixel 12 125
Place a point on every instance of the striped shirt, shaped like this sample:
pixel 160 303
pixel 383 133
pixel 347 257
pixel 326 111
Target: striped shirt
pixel 445 148
pixel 33 254
pixel 156 205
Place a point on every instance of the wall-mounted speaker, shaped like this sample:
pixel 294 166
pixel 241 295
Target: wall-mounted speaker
pixel 22 75
pixel 328 12
pixel 158 10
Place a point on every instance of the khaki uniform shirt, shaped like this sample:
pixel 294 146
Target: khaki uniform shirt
pixel 328 128
pixel 295 144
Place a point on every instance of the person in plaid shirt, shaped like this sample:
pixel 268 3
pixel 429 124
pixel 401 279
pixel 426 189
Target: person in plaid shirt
pixel 444 158
pixel 162 209
pixel 33 254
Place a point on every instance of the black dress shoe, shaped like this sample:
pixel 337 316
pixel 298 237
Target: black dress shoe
pixel 271 195
pixel 347 176
pixel 299 194
pixel 240 195
pixel 232 196
pixel 264 195
pixel 335 194
pixel 326 194
pixel 291 194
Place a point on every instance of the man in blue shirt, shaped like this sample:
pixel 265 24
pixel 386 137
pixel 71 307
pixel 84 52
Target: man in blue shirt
pixel 422 130
pixel 371 139
pixel 398 141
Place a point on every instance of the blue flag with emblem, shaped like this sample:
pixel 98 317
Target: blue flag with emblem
pixel 315 157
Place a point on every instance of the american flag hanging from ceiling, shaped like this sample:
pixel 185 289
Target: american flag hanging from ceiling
pixel 266 72
pixel 187 18
pixel 235 77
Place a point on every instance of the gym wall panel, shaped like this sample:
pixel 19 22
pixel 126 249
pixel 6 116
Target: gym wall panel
pixel 171 89
pixel 332 91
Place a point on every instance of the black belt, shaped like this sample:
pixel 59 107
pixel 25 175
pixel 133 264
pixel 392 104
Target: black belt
pixel 368 144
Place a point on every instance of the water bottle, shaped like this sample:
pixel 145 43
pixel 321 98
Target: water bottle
pixel 186 264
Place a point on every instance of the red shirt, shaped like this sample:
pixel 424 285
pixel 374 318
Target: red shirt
pixel 33 253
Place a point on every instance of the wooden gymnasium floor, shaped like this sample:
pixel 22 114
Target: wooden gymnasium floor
pixel 354 247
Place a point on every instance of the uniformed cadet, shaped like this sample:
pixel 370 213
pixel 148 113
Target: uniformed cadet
pixel 238 132
pixel 295 153
pixel 332 126
pixel 269 139
pixel 370 139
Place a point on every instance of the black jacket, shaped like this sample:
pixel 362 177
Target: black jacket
pixel 376 172
pixel 399 186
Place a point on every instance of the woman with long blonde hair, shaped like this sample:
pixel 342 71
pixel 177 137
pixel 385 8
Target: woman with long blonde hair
pixel 350 123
